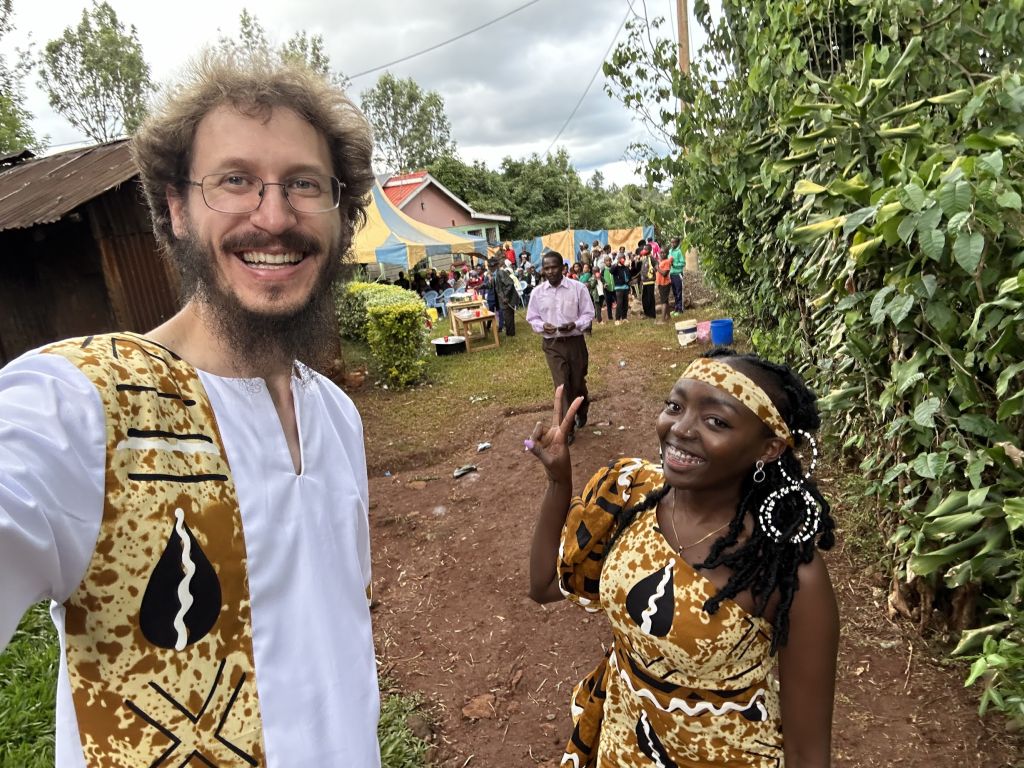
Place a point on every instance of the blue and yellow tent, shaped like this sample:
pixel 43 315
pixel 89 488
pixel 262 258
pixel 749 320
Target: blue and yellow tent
pixel 567 242
pixel 392 238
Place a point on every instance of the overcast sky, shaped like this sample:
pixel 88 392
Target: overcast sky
pixel 507 88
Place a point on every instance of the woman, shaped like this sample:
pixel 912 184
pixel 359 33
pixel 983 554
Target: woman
pixel 707 569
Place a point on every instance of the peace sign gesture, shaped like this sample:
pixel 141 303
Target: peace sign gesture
pixel 551 445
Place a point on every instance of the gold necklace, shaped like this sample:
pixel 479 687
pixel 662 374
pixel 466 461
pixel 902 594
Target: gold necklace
pixel 679 545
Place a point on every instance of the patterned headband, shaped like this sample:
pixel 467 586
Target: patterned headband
pixel 732 382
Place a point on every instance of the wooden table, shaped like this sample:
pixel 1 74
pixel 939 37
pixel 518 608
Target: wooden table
pixel 468 330
pixel 470 305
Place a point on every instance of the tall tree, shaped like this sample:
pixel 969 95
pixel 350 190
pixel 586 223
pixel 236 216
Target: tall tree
pixel 410 127
pixel 96 76
pixel 15 128
pixel 253 43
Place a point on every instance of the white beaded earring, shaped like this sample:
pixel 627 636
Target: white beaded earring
pixel 765 514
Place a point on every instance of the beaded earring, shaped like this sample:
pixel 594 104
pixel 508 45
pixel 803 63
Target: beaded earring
pixel 765 514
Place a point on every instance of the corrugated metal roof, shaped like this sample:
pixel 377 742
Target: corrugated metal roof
pixel 42 190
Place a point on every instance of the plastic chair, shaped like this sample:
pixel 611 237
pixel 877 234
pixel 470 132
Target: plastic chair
pixel 443 299
pixel 430 299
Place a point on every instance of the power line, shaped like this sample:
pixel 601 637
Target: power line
pixel 446 42
pixel 600 64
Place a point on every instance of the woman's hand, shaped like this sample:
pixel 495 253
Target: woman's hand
pixel 550 445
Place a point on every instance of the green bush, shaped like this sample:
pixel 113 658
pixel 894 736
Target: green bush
pixel 398 341
pixel 354 300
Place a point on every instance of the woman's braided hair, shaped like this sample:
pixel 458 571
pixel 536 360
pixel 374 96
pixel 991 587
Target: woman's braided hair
pixel 761 564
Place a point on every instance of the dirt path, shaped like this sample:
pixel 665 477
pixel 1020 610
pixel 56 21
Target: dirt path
pixel 453 620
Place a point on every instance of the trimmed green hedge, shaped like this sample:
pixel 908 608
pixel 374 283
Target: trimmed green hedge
pixel 393 321
pixel 354 300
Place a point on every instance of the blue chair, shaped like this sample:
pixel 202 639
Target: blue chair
pixel 430 299
pixel 443 299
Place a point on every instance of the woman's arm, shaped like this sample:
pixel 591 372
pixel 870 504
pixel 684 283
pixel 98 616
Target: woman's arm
pixel 807 669
pixel 549 446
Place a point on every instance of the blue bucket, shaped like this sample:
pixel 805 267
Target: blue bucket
pixel 721 331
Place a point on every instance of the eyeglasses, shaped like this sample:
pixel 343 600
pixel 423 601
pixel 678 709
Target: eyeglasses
pixel 243 192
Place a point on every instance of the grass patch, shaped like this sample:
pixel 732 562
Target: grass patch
pixel 400 747
pixel 28 689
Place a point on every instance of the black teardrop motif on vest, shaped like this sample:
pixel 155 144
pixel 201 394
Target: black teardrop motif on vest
pixel 650 744
pixel 638 601
pixel 160 603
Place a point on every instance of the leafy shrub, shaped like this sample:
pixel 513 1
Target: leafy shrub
pixel 354 300
pixel 398 340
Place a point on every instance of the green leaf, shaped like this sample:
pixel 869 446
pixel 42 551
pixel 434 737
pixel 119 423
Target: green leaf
pixel 1013 508
pixel 924 413
pixel 930 283
pixel 878 303
pixel 860 251
pixel 991 163
pixel 1003 382
pixel 955 197
pixel 912 197
pixel 933 243
pixel 967 250
pixel 907 228
pixel 806 187
pixel 899 308
pixel 1009 199
pixel 894 471
pixel 857 218
pixel 810 232
pixel 957 221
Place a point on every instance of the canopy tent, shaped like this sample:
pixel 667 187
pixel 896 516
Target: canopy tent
pixel 392 240
pixel 567 242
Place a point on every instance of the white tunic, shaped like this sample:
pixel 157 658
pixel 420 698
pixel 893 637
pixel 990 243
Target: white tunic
pixel 306 538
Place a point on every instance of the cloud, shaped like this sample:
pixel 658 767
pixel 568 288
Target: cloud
pixel 508 89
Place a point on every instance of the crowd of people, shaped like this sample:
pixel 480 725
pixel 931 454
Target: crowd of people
pixel 647 273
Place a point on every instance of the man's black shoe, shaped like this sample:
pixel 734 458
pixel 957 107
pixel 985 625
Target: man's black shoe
pixel 581 421
pixel 571 438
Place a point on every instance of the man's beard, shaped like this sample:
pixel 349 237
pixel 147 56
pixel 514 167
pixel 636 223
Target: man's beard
pixel 262 341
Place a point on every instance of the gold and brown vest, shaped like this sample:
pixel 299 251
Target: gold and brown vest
pixel 158 633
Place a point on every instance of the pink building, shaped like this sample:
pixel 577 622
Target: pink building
pixel 422 197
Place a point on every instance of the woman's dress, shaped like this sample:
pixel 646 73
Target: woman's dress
pixel 680 687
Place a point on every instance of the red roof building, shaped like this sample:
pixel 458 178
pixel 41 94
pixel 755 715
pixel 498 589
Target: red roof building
pixel 422 197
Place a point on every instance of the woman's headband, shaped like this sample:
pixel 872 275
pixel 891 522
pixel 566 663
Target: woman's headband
pixel 743 388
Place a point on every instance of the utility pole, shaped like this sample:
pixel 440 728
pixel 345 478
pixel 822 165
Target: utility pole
pixel 683 23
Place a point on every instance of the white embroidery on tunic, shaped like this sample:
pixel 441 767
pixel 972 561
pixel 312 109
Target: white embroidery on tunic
pixel 184 596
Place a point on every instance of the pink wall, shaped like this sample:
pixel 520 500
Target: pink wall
pixel 434 207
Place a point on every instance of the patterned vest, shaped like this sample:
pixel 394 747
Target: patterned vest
pixel 158 633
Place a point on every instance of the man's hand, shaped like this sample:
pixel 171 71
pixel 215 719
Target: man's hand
pixel 567 327
pixel 549 328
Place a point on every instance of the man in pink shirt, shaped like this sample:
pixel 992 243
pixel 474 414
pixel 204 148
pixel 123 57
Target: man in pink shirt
pixel 561 310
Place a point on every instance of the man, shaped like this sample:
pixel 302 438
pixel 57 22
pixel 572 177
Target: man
pixel 675 274
pixel 194 501
pixel 402 281
pixel 506 296
pixel 561 310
